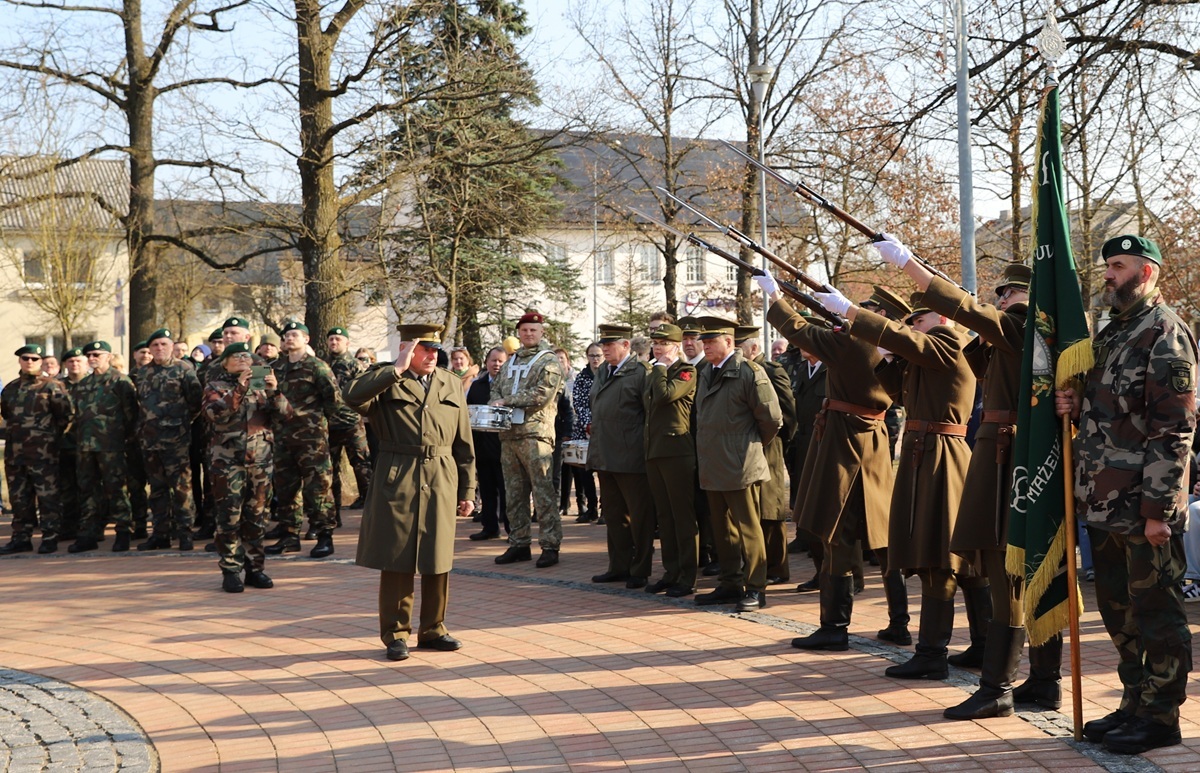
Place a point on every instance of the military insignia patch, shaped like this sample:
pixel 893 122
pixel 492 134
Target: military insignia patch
pixel 1181 376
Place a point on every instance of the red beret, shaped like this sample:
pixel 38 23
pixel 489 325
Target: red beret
pixel 531 316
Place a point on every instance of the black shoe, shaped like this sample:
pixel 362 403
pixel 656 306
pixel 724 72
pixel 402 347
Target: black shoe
pixel 48 546
pixel 443 643
pixel 795 546
pixel 752 600
pixel 258 579
pixel 549 557
pixel 896 634
pixel 288 543
pixel 16 546
pixel 920 666
pixel 633 583
pixel 1097 729
pixel 84 544
pixel 860 585
pixel 121 542
pixel 397 650
pixel 826 639
pixel 324 546
pixel 599 521
pixel 210 547
pixel 722 595
pixel 232 582
pixel 812 585
pixel 659 586
pixel 514 554
pixel 971 657
pixel 777 581
pixel 185 542
pixel 712 569
pixel 485 534
pixel 156 542
pixel 679 591
pixel 356 504
pixel 276 532
pixel 586 516
pixel 311 534
pixel 1141 735
pixel 207 531
pixel 610 577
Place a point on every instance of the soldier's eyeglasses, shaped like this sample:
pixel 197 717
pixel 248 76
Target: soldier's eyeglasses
pixel 30 358
pixel 92 354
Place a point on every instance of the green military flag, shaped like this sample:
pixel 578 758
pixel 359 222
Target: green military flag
pixel 1057 347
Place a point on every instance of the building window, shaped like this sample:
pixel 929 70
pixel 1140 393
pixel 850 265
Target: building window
pixel 555 253
pixel 730 272
pixel 647 262
pixel 695 264
pixel 604 265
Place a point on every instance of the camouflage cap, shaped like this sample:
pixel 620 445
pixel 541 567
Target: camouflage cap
pixel 711 327
pixel 162 332
pixel 425 334
pixel 241 347
pixel 217 335
pixel 293 325
pixel 611 333
pixel 97 346
pixel 743 333
pixel 30 349
pixel 236 322
pixel 667 332
pixel 1131 244
pixel 1015 275
pixel 337 331
pixel 69 353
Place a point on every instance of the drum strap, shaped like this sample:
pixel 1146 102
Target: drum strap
pixel 517 373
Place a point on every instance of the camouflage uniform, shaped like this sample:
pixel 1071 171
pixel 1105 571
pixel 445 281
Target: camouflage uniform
pixel 169 399
pixel 530 381
pixel 1131 457
pixel 302 443
pixel 68 480
pixel 36 411
pixel 347 432
pixel 240 459
pixel 106 411
pixel 135 464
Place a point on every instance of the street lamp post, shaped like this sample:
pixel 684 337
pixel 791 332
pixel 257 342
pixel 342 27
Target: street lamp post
pixel 760 77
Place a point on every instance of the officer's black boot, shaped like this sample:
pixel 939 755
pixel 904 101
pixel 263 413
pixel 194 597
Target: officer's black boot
pixel 929 661
pixel 256 578
pixel 288 543
pixel 1044 685
pixel 324 546
pixel 157 541
pixel 896 593
pixel 978 601
pixel 837 602
pixel 17 545
pixel 231 582
pixel 1001 658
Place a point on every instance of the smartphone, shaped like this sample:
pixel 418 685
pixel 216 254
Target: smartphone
pixel 258 375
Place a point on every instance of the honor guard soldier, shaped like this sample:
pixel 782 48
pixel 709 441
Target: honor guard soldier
pixel 423 476
pixel 346 430
pixel 106 412
pixel 846 482
pixel 693 354
pixel 302 444
pixel 168 401
pixel 36 410
pixel 934 381
pixel 671 460
pixel 1136 418
pixel 529 383
pixel 737 416
pixel 776 506
pixel 617 452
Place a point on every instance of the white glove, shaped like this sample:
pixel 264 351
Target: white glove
pixel 767 283
pixel 834 301
pixel 893 251
pixel 883 352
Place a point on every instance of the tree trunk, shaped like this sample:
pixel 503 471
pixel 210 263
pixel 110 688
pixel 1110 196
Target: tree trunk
pixel 745 306
pixel 139 221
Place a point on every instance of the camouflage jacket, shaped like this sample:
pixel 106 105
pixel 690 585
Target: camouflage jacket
pixel 240 420
pixel 67 442
pixel 168 399
pixel 1137 421
pixel 530 380
pixel 37 411
pixel 310 388
pixel 345 369
pixel 106 410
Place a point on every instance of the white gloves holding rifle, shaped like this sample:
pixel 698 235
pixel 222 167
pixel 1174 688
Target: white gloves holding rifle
pixel 893 251
pixel 834 301
pixel 768 284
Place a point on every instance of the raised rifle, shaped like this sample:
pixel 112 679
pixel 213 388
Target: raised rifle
pixel 787 288
pixel 812 197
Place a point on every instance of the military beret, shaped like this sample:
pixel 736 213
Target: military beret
pixel 162 332
pixel 236 322
pixel 690 326
pixel 425 334
pixel 667 332
pixel 531 316
pixel 69 353
pixel 290 326
pixel 140 345
pixel 217 335
pixel 241 347
pixel 1130 244
pixel 743 333
pixel 711 327
pixel 30 349
pixel 337 331
pixel 1015 275
pixel 97 346
pixel 611 333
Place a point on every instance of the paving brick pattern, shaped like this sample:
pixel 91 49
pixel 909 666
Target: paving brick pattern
pixel 556 674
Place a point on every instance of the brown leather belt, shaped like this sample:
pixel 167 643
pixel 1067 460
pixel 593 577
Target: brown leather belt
pixel 999 417
pixel 852 409
pixel 935 428
pixel 424 452
pixel 1006 427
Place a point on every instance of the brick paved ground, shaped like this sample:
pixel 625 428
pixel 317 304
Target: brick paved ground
pixel 557 674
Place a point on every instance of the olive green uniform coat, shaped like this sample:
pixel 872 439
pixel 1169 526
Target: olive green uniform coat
pixel 935 383
pixel 671 466
pixel 425 467
pixel 850 448
pixel 776 498
pixel 737 414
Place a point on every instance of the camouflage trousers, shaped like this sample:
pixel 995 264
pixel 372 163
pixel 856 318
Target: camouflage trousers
pixel 69 494
pixel 304 468
pixel 33 490
pixel 1137 591
pixel 242 493
pixel 136 465
pixel 354 442
pixel 102 476
pixel 169 474
pixel 526 463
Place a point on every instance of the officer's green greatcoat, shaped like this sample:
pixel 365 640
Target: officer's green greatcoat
pixel 671 467
pixel 736 415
